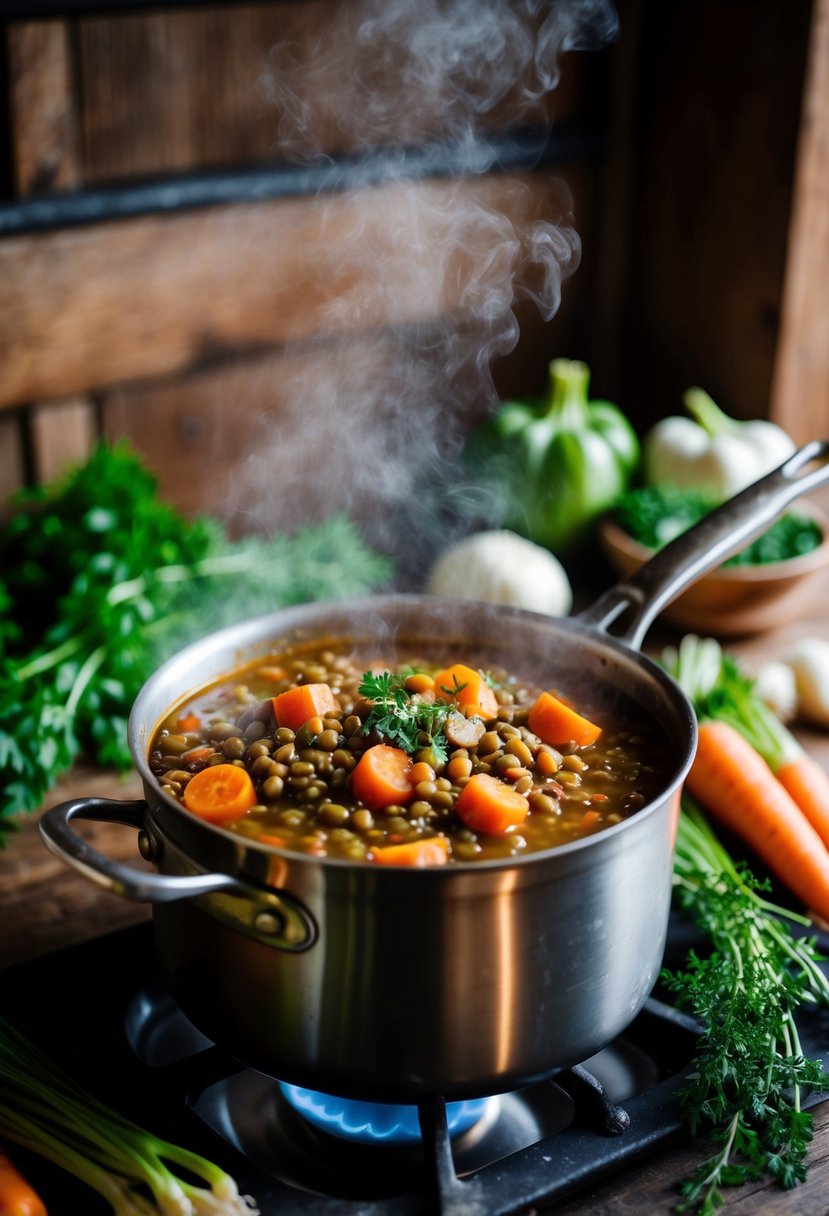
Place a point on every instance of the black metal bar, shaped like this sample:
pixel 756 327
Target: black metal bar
pixel 516 152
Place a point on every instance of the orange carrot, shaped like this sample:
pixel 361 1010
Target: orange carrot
pixel 219 793
pixel 381 777
pixel 294 707
pixel 557 724
pixel 486 804
pixel 188 722
pixel 588 821
pixel 197 754
pixel 17 1197
pixel 808 784
pixel 265 838
pixel 468 689
pixel 737 786
pixel 431 852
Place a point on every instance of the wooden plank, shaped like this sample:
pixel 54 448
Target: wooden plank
pixel 41 107
pixel 11 457
pixel 170 91
pixel 800 386
pixel 63 433
pixel 97 306
pixel 713 193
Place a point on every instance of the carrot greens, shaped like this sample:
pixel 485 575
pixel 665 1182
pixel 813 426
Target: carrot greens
pixel 101 581
pixel 749 1074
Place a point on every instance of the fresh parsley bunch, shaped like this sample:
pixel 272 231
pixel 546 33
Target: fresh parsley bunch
pixel 102 580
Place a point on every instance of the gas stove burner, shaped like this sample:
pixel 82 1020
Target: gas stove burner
pixel 380 1122
pixel 527 1150
pixel 321 1149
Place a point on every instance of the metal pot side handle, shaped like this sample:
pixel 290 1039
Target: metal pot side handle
pixel 56 830
pixel 634 604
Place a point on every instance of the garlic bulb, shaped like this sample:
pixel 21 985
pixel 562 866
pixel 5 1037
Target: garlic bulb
pixel 775 683
pixel 503 568
pixel 809 660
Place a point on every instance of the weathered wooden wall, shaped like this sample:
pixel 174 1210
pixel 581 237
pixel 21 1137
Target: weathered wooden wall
pixel 697 191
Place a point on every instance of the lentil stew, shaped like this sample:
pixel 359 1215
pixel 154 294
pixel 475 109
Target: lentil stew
pixel 321 750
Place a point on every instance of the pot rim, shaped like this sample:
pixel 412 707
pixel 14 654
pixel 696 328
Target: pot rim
pixel 267 629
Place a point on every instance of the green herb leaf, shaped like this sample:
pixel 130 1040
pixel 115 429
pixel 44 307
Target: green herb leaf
pixel 102 581
pixel 402 719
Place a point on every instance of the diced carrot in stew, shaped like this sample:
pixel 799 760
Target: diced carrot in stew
pixel 197 755
pixel 295 706
pixel 557 723
pixel 434 851
pixel 486 804
pixel 220 793
pixel 589 821
pixel 188 722
pixel 468 689
pixel 381 777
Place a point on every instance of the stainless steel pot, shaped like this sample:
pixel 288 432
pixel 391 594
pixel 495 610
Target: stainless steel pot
pixel 473 978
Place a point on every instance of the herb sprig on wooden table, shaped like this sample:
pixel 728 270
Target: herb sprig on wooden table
pixel 101 580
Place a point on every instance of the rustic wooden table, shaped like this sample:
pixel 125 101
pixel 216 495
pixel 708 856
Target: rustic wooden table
pixel 45 906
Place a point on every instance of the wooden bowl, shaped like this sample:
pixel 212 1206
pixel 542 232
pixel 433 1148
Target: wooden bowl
pixel 737 599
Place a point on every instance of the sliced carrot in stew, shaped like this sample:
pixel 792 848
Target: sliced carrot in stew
pixel 433 851
pixel 486 804
pixel 197 755
pixel 219 793
pixel 294 707
pixel 557 723
pixel 468 689
pixel 381 777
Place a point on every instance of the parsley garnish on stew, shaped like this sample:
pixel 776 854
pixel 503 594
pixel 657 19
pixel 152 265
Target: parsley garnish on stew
pixel 402 719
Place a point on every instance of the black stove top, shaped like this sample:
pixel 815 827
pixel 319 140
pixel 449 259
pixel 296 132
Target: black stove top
pixel 102 1012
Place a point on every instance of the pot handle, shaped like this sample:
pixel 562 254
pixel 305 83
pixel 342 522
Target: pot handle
pixel 56 830
pixel 641 597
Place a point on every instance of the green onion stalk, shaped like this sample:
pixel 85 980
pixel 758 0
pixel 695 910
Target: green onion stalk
pixel 44 1110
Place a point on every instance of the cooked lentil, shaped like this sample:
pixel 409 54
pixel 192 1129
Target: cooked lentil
pixel 302 778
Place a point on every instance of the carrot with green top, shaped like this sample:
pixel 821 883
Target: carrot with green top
pixel 296 706
pixel 735 784
pixel 488 805
pixel 720 691
pixel 219 793
pixel 433 851
pixel 382 777
pixel 558 724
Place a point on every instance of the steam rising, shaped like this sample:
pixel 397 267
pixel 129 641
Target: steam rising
pixel 421 296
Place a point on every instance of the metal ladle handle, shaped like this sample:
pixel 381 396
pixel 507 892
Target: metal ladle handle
pixel 642 596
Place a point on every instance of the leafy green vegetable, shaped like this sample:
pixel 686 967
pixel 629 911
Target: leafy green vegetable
pixel 654 515
pixel 132 581
pixel 44 1110
pixel 749 1070
pixel 408 723
pixel 548 469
